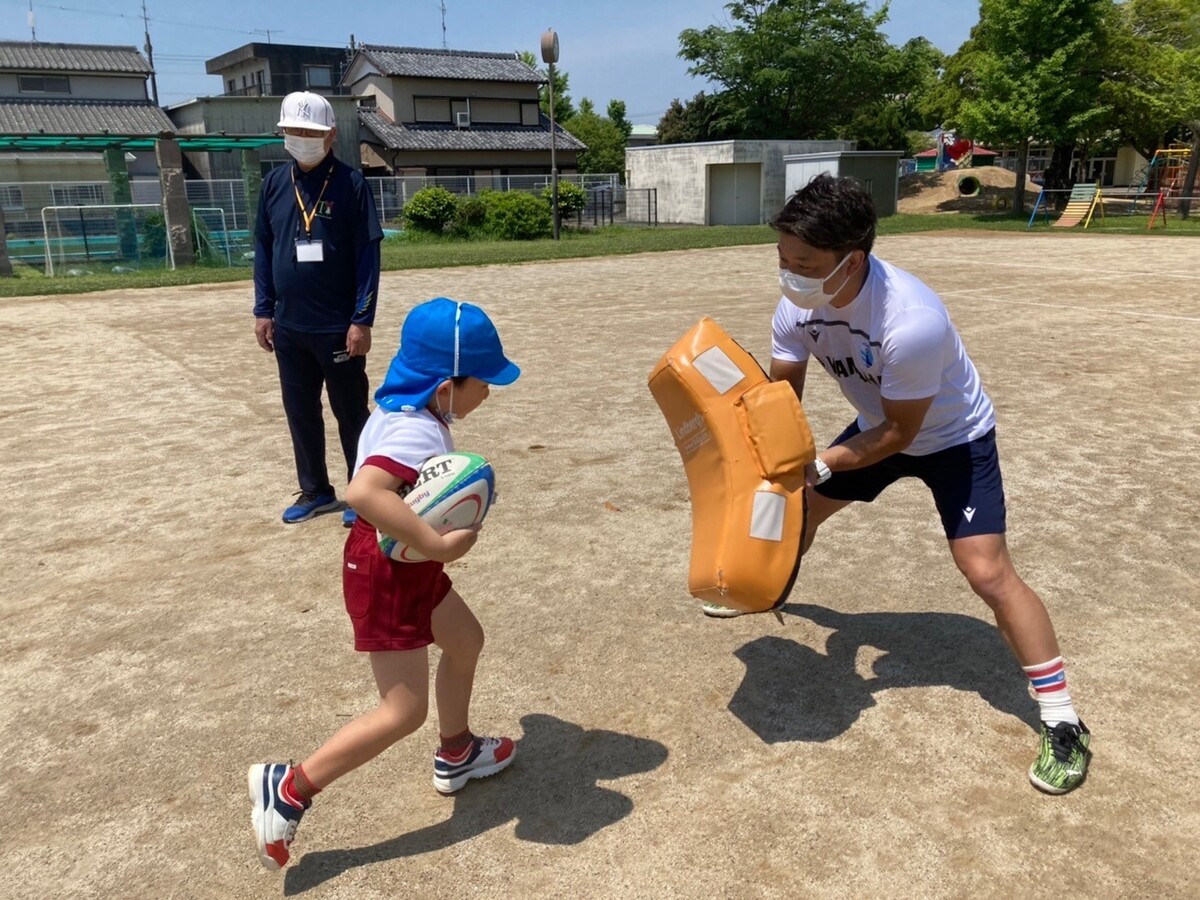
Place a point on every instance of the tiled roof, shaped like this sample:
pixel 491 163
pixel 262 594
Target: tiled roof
pixel 36 57
pixel 82 117
pixel 471 65
pixel 477 137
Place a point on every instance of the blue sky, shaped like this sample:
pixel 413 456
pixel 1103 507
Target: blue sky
pixel 621 49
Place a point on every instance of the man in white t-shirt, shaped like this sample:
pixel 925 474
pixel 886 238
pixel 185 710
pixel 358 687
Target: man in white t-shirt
pixel 888 341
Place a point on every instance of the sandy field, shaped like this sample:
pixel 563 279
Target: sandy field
pixel 162 629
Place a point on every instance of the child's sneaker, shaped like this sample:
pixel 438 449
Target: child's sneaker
pixel 484 756
pixel 1063 757
pixel 717 611
pixel 274 819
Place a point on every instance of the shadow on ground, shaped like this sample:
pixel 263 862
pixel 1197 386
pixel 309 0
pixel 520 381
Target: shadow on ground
pixel 550 790
pixel 794 693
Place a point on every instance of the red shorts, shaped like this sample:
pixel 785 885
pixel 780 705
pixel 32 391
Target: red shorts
pixel 390 603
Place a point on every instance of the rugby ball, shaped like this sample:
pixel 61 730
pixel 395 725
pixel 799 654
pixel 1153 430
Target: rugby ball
pixel 454 490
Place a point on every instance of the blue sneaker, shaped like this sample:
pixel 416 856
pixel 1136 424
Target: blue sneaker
pixel 349 517
pixel 483 757
pixel 274 819
pixel 308 505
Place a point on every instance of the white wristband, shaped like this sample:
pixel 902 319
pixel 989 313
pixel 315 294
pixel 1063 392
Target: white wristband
pixel 824 473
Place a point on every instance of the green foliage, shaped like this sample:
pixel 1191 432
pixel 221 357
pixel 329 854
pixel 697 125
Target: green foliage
pixel 605 141
pixel 792 69
pixel 616 112
pixel 571 198
pixel 516 216
pixel 430 209
pixel 563 110
pixel 469 216
pixel 153 237
pixel 697 120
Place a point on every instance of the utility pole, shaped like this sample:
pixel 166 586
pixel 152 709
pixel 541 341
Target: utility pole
pixel 550 57
pixel 444 25
pixel 32 27
pixel 149 54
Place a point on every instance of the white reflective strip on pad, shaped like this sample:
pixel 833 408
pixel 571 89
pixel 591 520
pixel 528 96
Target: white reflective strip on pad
pixel 766 520
pixel 718 369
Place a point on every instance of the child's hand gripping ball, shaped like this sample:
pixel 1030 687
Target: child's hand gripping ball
pixel 453 491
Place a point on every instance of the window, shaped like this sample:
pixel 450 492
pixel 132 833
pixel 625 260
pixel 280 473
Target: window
pixel 318 76
pixel 10 197
pixel 44 84
pixel 431 109
pixel 232 85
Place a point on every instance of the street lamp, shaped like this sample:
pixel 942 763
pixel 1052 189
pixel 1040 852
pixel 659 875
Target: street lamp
pixel 550 57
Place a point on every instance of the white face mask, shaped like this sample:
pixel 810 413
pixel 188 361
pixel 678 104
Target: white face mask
pixel 805 292
pixel 308 151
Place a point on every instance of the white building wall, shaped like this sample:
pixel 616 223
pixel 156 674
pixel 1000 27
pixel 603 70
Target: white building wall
pixel 679 173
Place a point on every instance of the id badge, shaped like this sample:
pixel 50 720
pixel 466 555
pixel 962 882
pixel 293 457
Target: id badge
pixel 309 251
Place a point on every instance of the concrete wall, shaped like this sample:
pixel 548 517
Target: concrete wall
pixel 680 173
pixel 83 87
pixel 877 171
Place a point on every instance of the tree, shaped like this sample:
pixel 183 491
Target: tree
pixel 563 110
pixel 792 68
pixel 605 152
pixel 697 120
pixel 1037 74
pixel 911 73
pixel 616 112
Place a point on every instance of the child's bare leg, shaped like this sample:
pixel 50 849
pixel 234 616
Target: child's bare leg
pixel 459 635
pixel 403 681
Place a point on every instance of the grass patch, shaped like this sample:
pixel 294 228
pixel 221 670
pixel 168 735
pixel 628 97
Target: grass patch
pixel 411 251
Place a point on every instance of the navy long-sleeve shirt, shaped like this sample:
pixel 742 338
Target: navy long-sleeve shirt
pixel 327 296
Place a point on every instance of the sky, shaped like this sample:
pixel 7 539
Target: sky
pixel 610 49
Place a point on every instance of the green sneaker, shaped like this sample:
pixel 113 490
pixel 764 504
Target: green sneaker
pixel 1063 757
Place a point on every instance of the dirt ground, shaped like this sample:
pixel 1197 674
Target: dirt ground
pixel 162 629
pixel 933 192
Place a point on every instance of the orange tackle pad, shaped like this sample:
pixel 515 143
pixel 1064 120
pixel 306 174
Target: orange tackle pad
pixel 744 441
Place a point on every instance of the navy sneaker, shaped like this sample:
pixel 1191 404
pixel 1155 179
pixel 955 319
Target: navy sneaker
pixel 273 818
pixel 308 505
pixel 483 757
pixel 349 517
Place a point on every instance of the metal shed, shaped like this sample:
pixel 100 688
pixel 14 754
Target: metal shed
pixel 876 170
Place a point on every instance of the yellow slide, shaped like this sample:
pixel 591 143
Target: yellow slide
pixel 745 442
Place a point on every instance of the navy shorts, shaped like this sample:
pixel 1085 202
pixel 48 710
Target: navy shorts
pixel 965 481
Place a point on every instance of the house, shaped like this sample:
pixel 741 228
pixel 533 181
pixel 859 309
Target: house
pixel 275 70
pixel 642 136
pixel 453 112
pixel 92 93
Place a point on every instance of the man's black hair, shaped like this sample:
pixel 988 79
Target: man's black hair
pixel 830 214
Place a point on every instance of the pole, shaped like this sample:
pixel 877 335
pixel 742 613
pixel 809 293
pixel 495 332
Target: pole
pixel 553 160
pixel 150 55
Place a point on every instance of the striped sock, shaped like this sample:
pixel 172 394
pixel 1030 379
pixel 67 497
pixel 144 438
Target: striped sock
pixel 1049 683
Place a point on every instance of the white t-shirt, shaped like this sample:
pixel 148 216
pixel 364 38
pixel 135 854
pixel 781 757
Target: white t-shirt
pixel 894 340
pixel 406 438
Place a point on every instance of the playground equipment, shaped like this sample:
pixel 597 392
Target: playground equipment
pixel 1166 170
pixel 1081 206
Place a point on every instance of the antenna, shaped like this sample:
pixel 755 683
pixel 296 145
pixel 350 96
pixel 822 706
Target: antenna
pixel 443 5
pixel 268 32
pixel 32 26
pixel 149 54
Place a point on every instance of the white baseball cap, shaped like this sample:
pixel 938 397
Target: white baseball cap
pixel 304 109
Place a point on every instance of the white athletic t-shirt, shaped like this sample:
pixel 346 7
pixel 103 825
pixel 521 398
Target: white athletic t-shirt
pixel 894 340
pixel 406 438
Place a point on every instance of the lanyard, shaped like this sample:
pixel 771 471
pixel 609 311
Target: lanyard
pixel 305 214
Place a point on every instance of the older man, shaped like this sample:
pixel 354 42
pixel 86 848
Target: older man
pixel 316 275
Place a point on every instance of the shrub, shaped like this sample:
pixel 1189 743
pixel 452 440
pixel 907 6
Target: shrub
pixel 571 198
pixel 516 216
pixel 430 209
pixel 470 216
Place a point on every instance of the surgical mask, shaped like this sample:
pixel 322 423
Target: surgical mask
pixel 308 151
pixel 805 292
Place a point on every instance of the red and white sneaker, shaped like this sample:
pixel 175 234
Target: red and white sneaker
pixel 484 756
pixel 274 819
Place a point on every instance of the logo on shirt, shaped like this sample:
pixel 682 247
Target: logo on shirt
pixel 866 355
pixel 325 209
pixel 815 332
pixel 845 368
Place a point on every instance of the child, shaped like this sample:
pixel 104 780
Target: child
pixel 449 354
